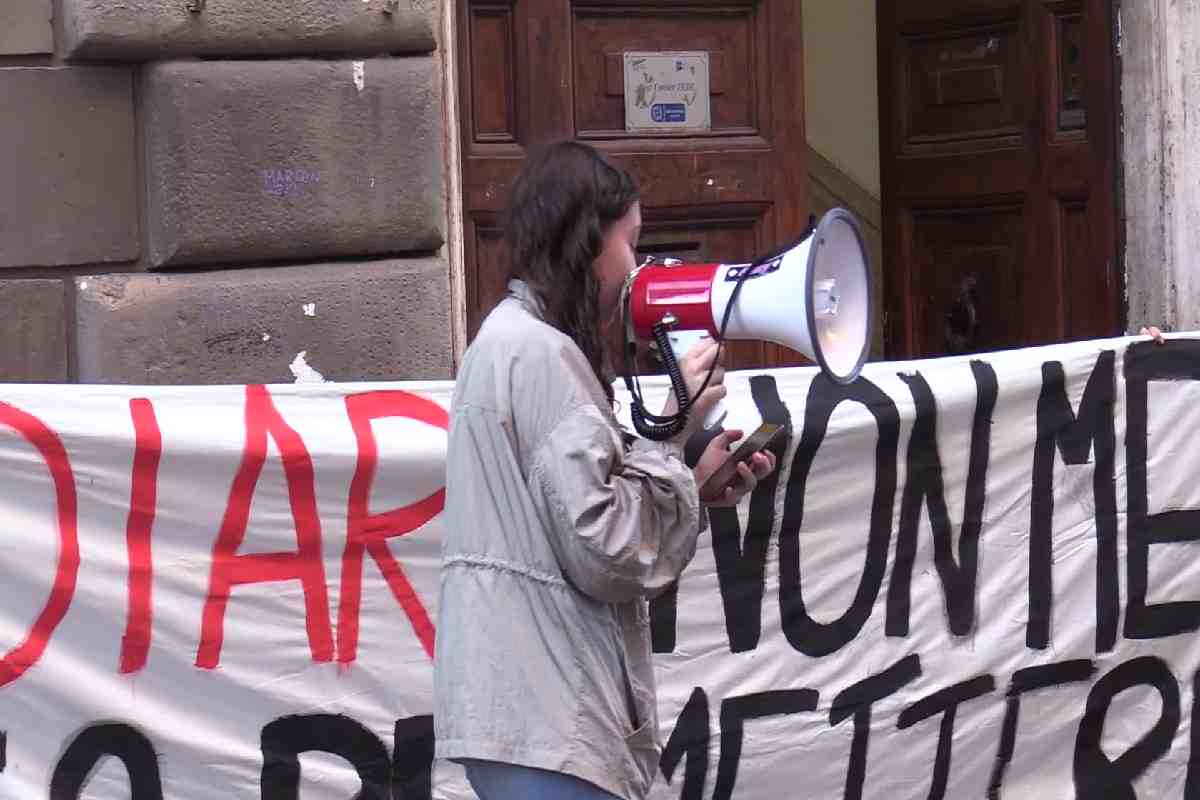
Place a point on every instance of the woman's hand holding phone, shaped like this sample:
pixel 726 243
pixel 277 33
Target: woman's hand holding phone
pixel 725 478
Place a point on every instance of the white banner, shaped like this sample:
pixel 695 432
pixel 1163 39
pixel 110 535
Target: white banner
pixel 970 577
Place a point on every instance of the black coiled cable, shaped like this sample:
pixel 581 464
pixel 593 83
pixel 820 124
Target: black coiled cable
pixel 652 426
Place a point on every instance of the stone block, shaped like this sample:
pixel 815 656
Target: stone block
pixel 33 331
pixel 25 28
pixel 293 160
pixel 144 30
pixel 379 320
pixel 69 167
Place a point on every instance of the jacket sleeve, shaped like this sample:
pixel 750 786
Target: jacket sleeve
pixel 625 519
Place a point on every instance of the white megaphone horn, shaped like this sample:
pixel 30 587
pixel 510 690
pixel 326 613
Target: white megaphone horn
pixel 813 297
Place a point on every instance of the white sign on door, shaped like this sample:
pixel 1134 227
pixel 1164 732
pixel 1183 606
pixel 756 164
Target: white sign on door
pixel 667 91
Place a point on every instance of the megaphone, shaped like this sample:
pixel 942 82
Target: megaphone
pixel 813 296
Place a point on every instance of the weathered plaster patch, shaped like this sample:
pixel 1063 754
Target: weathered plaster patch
pixel 303 372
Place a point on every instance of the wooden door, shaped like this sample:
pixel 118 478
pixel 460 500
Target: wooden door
pixel 997 160
pixel 540 70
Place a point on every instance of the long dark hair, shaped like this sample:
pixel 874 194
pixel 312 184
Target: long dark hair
pixel 562 204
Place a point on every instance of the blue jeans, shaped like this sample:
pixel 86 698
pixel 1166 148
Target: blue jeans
pixel 496 780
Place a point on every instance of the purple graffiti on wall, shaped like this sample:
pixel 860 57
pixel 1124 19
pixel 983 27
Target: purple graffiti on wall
pixel 283 182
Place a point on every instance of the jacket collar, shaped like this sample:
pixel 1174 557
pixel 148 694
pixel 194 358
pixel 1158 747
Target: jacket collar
pixel 521 291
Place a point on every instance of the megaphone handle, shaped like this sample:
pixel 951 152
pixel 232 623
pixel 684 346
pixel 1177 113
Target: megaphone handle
pixel 681 342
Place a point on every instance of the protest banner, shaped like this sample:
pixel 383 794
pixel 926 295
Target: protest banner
pixel 969 577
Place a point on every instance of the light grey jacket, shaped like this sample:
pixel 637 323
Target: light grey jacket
pixel 558 527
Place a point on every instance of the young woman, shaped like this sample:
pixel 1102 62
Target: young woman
pixel 559 524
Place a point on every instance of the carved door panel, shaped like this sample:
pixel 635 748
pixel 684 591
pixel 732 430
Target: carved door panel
pixel 997 151
pixel 539 70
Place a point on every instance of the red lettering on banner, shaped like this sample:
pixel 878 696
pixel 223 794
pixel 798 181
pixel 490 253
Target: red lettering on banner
pixel 143 500
pixel 27 653
pixel 369 533
pixel 229 569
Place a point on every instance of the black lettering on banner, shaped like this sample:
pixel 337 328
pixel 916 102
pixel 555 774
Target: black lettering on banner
pixel 1076 438
pixel 734 713
pixel 944 702
pixel 803 632
pixel 856 700
pixel 741 568
pixel 924 485
pixel 412 759
pixel 664 609
pixel 1098 778
pixel 1191 786
pixel 107 739
pixel 1028 680
pixel 1144 362
pixel 690 739
pixel 287 737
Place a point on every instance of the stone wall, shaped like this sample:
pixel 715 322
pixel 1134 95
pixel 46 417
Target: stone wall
pixel 222 191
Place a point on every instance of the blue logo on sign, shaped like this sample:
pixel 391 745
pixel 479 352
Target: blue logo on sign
pixel 668 112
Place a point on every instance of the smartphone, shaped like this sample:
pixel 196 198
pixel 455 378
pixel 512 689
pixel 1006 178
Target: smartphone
pixel 766 435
